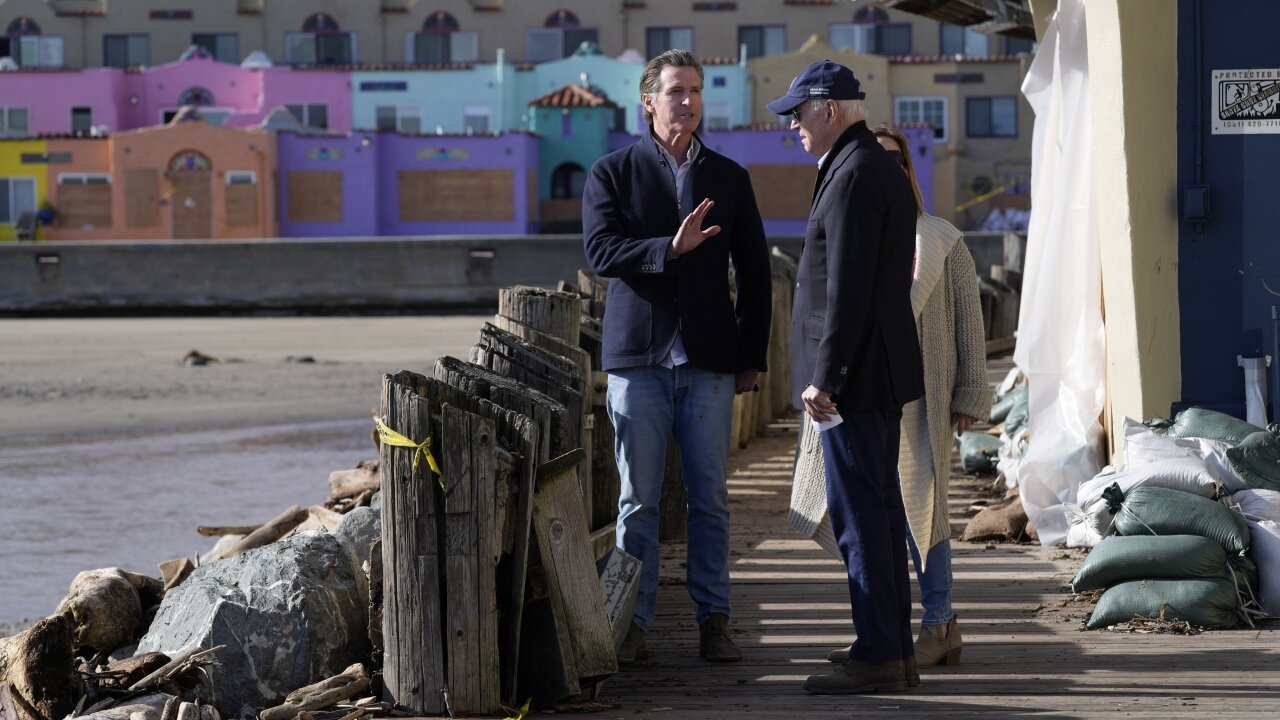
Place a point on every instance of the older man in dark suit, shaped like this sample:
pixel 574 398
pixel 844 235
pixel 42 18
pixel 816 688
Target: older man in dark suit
pixel 855 357
pixel 663 218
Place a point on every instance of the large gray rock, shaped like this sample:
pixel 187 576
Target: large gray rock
pixel 356 534
pixel 290 614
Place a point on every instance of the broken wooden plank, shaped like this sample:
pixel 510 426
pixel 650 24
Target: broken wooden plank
pixel 620 583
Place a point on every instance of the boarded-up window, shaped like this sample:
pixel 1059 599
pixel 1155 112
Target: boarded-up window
pixel 783 192
pixel 84 206
pixel 531 183
pixel 242 205
pixel 315 196
pixel 141 197
pixel 441 195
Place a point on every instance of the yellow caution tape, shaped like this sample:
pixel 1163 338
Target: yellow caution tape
pixel 523 711
pixel 422 449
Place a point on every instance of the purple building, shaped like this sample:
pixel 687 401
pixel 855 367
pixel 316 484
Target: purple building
pixel 368 184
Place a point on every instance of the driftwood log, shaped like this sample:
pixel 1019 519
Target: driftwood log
pixel 275 529
pixel 331 691
pixel 38 678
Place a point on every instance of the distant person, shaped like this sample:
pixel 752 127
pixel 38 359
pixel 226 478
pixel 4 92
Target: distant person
pixel 948 312
pixel 662 219
pixel 855 356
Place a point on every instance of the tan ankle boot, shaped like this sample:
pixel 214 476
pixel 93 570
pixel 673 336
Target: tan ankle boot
pixel 939 645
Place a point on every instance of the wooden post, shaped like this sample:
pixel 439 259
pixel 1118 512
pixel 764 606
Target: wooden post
pixel 554 313
pixel 413 665
pixel 471 601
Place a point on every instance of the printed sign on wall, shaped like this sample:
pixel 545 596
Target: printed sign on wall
pixel 1246 102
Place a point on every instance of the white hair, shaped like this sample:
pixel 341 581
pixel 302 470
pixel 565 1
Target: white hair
pixel 855 109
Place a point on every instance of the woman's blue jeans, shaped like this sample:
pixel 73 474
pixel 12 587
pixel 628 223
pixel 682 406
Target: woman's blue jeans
pixel 648 405
pixel 935 583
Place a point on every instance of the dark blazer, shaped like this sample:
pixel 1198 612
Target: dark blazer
pixel 630 215
pixel 852 330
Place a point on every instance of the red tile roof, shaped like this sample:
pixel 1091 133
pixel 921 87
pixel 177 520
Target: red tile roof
pixel 573 96
pixel 719 60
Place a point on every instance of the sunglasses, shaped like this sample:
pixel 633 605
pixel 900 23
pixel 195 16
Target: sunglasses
pixel 898 157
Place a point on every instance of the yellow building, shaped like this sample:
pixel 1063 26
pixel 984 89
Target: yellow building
pixel 982 124
pixel 23 184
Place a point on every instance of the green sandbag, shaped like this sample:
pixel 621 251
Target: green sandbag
pixel 1161 511
pixel 1017 417
pixel 1120 559
pixel 1000 409
pixel 1256 459
pixel 1200 423
pixel 978 453
pixel 1200 601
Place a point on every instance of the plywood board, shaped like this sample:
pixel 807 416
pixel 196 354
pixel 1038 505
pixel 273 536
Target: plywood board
pixel 783 192
pixel 315 196
pixel 141 197
pixel 242 205
pixel 84 206
pixel 456 195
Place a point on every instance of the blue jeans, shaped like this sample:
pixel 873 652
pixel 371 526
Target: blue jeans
pixel 647 406
pixel 935 583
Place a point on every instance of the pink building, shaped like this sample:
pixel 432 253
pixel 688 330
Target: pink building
pixel 60 102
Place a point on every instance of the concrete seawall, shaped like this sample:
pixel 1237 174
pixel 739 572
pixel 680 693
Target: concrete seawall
pixel 320 274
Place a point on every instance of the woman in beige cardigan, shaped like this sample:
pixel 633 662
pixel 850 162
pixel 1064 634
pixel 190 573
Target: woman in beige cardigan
pixel 944 296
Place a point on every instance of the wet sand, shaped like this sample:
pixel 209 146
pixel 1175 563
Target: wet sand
pixel 112 450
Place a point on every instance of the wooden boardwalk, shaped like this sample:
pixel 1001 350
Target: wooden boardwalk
pixel 1025 653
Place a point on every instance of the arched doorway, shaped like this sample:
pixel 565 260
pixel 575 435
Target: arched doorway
pixel 191 198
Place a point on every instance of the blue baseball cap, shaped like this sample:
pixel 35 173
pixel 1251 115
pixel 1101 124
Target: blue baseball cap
pixel 823 80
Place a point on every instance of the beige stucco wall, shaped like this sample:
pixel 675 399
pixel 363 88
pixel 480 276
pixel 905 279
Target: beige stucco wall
pixel 1132 51
pixel 380 36
pixel 769 77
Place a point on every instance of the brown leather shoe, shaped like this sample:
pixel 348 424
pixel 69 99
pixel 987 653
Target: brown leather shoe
pixel 839 655
pixel 939 645
pixel 856 676
pixel 714 642
pixel 633 647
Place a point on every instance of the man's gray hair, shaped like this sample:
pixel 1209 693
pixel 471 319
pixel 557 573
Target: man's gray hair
pixel 856 109
pixel 652 75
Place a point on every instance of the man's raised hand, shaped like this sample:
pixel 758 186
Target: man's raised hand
pixel 691 233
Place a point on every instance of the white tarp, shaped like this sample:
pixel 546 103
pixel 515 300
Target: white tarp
pixel 1061 344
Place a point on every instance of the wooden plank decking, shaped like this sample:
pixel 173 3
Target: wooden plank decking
pixel 1025 654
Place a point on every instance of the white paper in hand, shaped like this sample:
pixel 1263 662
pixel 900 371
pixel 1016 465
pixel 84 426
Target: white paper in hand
pixel 834 420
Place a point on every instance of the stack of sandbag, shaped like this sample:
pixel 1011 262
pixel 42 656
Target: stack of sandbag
pixel 1009 412
pixel 1175 555
pixel 1189 454
pixel 1261 512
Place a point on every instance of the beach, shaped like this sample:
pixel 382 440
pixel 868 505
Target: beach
pixel 112 449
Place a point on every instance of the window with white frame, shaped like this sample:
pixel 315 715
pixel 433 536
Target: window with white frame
pixel 313 115
pixel 399 118
pixel 440 41
pixel 958 40
pixel 126 50
pixel 17 197
pixel 321 42
pixel 84 179
pixel 715 115
pixel 991 117
pixel 560 35
pixel 763 40
pixel 932 110
pixel 13 119
pixel 476 118
pixel 660 39
pixel 241 177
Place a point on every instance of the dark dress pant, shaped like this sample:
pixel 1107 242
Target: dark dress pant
pixel 864 498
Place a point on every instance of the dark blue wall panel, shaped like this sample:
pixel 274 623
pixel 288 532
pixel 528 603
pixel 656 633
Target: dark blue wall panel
pixel 1226 267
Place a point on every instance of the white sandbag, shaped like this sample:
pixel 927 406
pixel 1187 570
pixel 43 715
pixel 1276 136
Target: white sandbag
pixel 1255 504
pixel 1265 536
pixel 1088 525
pixel 1142 445
pixel 1187 474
